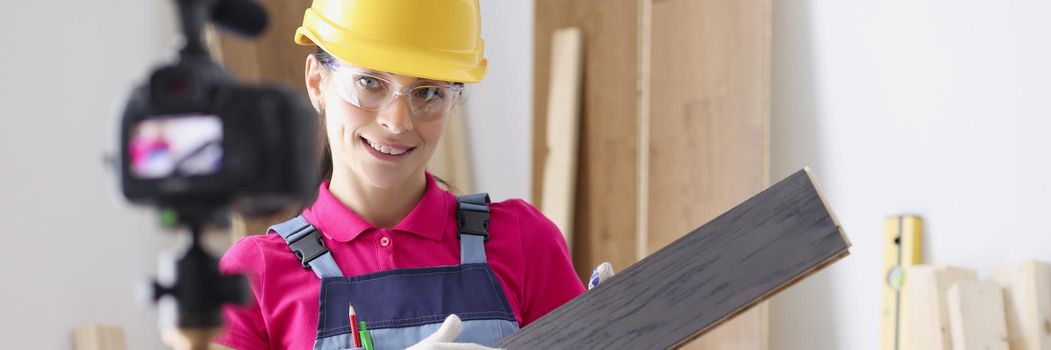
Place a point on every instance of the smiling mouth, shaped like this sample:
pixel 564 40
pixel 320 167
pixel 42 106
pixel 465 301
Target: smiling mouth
pixel 392 151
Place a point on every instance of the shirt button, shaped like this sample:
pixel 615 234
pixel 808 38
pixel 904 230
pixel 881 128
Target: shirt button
pixel 385 241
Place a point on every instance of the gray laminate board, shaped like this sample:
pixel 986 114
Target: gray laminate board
pixel 726 266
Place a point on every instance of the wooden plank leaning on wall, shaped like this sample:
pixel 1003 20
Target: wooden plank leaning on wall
pixel 976 316
pixel 674 127
pixel 925 318
pixel 563 129
pixel 604 222
pixel 1027 298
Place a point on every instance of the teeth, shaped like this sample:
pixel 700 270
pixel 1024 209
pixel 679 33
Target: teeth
pixel 385 149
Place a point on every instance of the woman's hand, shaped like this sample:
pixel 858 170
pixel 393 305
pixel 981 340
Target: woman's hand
pixel 444 337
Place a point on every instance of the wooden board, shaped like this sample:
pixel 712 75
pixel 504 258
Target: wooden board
pixel 1027 300
pixel 709 88
pixel 709 111
pixel 710 275
pixel 925 321
pixel 707 114
pixel 976 316
pixel 604 220
pixel 563 123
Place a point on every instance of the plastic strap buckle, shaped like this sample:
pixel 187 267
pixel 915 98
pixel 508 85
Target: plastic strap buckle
pixel 472 215
pixel 307 246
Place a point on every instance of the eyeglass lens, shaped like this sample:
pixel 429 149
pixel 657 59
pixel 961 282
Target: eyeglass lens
pixel 374 93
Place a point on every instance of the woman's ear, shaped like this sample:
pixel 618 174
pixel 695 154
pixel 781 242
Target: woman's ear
pixel 314 74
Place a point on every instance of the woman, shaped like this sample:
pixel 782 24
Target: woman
pixel 384 79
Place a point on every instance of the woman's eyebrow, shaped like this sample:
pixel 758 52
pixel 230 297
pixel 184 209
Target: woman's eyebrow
pixel 365 70
pixel 422 81
pixel 374 72
pixel 390 76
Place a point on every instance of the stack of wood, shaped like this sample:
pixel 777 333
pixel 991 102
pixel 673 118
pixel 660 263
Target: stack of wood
pixel 946 307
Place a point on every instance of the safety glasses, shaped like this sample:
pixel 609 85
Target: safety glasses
pixel 427 100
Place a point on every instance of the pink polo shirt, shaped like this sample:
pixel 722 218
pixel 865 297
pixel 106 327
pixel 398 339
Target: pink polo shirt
pixel 526 252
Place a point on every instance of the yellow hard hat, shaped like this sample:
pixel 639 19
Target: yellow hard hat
pixel 431 39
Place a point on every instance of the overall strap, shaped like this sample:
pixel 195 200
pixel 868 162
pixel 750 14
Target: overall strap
pixel 472 219
pixel 305 241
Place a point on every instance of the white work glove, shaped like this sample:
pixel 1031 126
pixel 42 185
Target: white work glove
pixel 444 337
pixel 603 272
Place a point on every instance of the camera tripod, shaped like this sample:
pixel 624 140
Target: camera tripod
pixel 199 289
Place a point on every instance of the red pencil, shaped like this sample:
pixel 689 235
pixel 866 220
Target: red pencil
pixel 354 327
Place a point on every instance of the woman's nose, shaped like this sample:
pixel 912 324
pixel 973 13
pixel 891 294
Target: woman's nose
pixel 396 117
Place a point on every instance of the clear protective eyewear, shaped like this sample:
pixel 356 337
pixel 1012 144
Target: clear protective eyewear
pixel 373 92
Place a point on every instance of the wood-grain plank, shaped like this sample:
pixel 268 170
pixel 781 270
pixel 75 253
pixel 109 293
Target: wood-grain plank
pixel 976 316
pixel 708 116
pixel 605 197
pixel 563 129
pixel 703 279
pixel 925 306
pixel 1027 299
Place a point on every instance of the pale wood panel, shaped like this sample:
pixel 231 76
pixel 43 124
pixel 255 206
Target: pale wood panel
pixel 925 318
pixel 605 198
pixel 709 111
pixel 976 316
pixel 563 126
pixel 1027 299
pixel 708 118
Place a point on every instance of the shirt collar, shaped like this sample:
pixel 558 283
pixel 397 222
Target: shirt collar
pixel 337 222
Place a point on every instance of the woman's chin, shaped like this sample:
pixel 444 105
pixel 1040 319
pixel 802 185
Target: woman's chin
pixel 384 177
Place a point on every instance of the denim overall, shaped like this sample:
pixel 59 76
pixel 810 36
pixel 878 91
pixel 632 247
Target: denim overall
pixel 402 306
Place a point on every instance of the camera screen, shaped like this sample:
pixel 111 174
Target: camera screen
pixel 181 145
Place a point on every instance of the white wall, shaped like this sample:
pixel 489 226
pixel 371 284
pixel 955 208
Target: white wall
pixel 499 109
pixel 72 251
pixel 938 108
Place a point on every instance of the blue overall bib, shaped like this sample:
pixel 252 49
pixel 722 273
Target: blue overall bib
pixel 402 306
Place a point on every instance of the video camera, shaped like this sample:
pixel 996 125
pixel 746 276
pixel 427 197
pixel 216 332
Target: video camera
pixel 195 143
pixel 192 137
